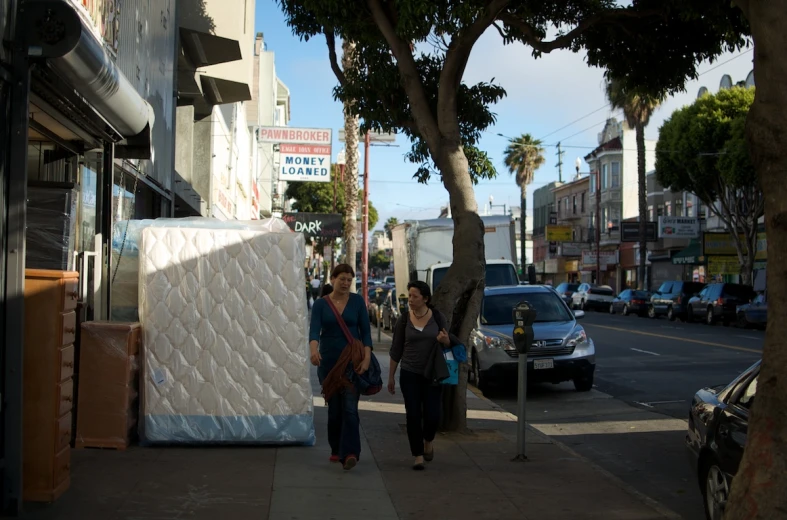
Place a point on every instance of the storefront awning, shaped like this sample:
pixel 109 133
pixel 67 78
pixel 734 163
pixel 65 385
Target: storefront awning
pixel 57 32
pixel 690 255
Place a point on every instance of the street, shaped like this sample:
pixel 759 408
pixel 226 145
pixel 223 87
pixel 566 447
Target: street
pixel 633 423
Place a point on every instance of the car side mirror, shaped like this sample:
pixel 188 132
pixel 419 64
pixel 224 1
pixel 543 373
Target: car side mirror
pixel 579 314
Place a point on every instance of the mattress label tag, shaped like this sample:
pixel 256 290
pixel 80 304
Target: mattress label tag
pixel 159 377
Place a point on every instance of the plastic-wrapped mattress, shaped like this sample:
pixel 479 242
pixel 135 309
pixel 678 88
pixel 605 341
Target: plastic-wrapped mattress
pixel 225 356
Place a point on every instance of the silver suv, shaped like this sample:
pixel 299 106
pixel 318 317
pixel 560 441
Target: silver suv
pixel 562 350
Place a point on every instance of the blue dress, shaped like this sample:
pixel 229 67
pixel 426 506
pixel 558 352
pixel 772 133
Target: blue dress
pixel 325 329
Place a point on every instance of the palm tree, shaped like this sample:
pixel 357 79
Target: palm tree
pixel 523 156
pixel 351 131
pixel 389 225
pixel 638 106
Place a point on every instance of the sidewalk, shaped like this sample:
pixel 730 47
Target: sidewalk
pixel 472 477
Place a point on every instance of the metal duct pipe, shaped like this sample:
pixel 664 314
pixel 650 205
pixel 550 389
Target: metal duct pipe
pixel 58 32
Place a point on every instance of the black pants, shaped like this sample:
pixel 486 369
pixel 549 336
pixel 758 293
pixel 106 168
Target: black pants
pixel 422 403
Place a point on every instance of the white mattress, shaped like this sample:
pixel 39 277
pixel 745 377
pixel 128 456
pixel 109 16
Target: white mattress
pixel 225 354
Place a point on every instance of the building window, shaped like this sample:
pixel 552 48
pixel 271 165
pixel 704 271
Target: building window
pixel 574 204
pixel 615 167
pixel 565 205
pixel 668 209
pixel 679 208
pixel 660 210
pixel 593 183
pixel 689 207
pixel 583 202
pixel 604 177
pixel 650 213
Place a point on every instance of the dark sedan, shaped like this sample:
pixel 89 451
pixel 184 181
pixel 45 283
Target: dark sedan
pixel 630 302
pixel 754 314
pixel 716 436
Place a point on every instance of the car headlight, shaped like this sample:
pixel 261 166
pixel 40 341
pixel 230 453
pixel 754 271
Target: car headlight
pixel 578 339
pixel 492 341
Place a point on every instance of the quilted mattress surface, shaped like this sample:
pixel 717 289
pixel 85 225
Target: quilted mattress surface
pixel 225 357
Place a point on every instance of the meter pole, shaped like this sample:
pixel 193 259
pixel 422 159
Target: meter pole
pixel 524 316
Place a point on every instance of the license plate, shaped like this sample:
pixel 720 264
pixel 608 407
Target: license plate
pixel 539 364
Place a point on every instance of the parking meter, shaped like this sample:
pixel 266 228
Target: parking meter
pixel 524 315
pixel 403 302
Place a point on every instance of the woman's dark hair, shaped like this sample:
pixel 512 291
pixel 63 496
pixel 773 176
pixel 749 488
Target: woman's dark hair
pixel 326 290
pixel 424 289
pixel 342 269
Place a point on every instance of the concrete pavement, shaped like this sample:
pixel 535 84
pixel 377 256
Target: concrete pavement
pixel 472 476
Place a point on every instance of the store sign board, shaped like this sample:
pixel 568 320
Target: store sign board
pixel 304 162
pixel 679 227
pixel 719 244
pixel 559 233
pixel 315 224
pixel 287 135
pixel 606 258
pixel 629 231
pixel 573 248
pixel 723 265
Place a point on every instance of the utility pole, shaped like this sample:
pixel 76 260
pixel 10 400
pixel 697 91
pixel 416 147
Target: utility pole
pixel 559 164
pixel 598 227
pixel 365 221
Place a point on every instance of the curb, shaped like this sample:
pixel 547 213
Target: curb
pixel 645 499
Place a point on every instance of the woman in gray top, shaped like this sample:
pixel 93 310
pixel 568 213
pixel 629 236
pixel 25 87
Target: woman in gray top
pixel 414 339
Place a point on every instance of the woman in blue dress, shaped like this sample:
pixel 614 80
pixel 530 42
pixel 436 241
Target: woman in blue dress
pixel 327 341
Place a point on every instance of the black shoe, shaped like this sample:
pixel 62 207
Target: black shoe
pixel 429 456
pixel 419 467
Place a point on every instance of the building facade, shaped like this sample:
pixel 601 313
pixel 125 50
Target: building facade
pixel 573 210
pixel 381 242
pixel 614 194
pixel 545 254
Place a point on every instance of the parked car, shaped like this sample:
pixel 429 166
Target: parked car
pixel 562 350
pixel 754 314
pixel 672 298
pixel 391 311
pixel 716 435
pixel 565 290
pixel 592 296
pixel 719 302
pixel 630 301
pixel 389 280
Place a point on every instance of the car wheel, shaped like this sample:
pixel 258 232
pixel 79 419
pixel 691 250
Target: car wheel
pixel 583 306
pixel 625 310
pixel 709 319
pixel 715 492
pixel 651 312
pixel 670 313
pixel 583 384
pixel 742 323
pixel 475 377
pixel 611 308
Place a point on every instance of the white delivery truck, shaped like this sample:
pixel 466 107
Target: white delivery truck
pixel 423 250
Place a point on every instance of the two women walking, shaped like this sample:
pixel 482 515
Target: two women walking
pixel 341 347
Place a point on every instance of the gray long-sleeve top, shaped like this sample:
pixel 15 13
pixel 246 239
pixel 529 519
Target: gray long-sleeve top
pixel 413 348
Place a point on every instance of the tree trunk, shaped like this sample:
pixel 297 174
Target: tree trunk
pixel 759 491
pixel 351 131
pixel 643 206
pixel 523 229
pixel 460 293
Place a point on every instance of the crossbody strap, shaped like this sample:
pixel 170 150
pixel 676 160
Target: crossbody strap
pixel 339 318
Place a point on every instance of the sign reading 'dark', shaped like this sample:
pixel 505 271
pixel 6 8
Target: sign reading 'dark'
pixel 304 162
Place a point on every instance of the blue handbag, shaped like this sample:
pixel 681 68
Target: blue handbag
pixel 453 357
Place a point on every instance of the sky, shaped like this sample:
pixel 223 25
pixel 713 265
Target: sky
pixel 556 98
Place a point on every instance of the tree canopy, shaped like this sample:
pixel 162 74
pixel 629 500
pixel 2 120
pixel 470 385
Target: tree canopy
pixel 391 223
pixel 702 150
pixel 398 44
